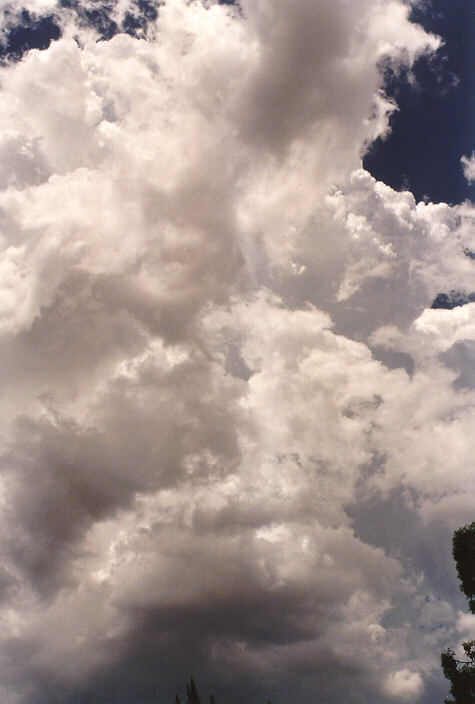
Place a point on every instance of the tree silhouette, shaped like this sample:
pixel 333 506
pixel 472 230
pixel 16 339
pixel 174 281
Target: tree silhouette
pixel 464 556
pixel 461 673
pixel 192 696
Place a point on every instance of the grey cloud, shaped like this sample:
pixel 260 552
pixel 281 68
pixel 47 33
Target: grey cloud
pixel 21 161
pixel 64 475
pixel 288 93
pixel 399 530
pixel 192 270
pixel 241 628
pixel 307 72
pixel 461 358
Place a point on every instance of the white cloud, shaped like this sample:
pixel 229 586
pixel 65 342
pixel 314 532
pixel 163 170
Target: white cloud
pixel 465 626
pixel 10 9
pixel 405 685
pixel 192 265
pixel 468 165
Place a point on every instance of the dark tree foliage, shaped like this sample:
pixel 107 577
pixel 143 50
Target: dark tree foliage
pixel 461 673
pixel 464 556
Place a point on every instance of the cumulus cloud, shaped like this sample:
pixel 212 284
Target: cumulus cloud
pixel 203 300
pixel 405 685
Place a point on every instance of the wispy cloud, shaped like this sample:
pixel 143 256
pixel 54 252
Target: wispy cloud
pixel 468 165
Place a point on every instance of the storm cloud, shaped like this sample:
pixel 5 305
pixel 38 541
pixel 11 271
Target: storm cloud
pixel 235 441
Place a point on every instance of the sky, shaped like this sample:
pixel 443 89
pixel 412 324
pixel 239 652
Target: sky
pixel 236 330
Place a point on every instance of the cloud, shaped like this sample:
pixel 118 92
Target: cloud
pixel 468 165
pixel 199 283
pixel 405 685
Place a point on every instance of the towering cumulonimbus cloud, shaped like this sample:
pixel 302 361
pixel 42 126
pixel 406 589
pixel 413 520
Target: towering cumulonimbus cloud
pixel 233 431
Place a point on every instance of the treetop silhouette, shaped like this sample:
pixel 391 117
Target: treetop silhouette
pixel 461 673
